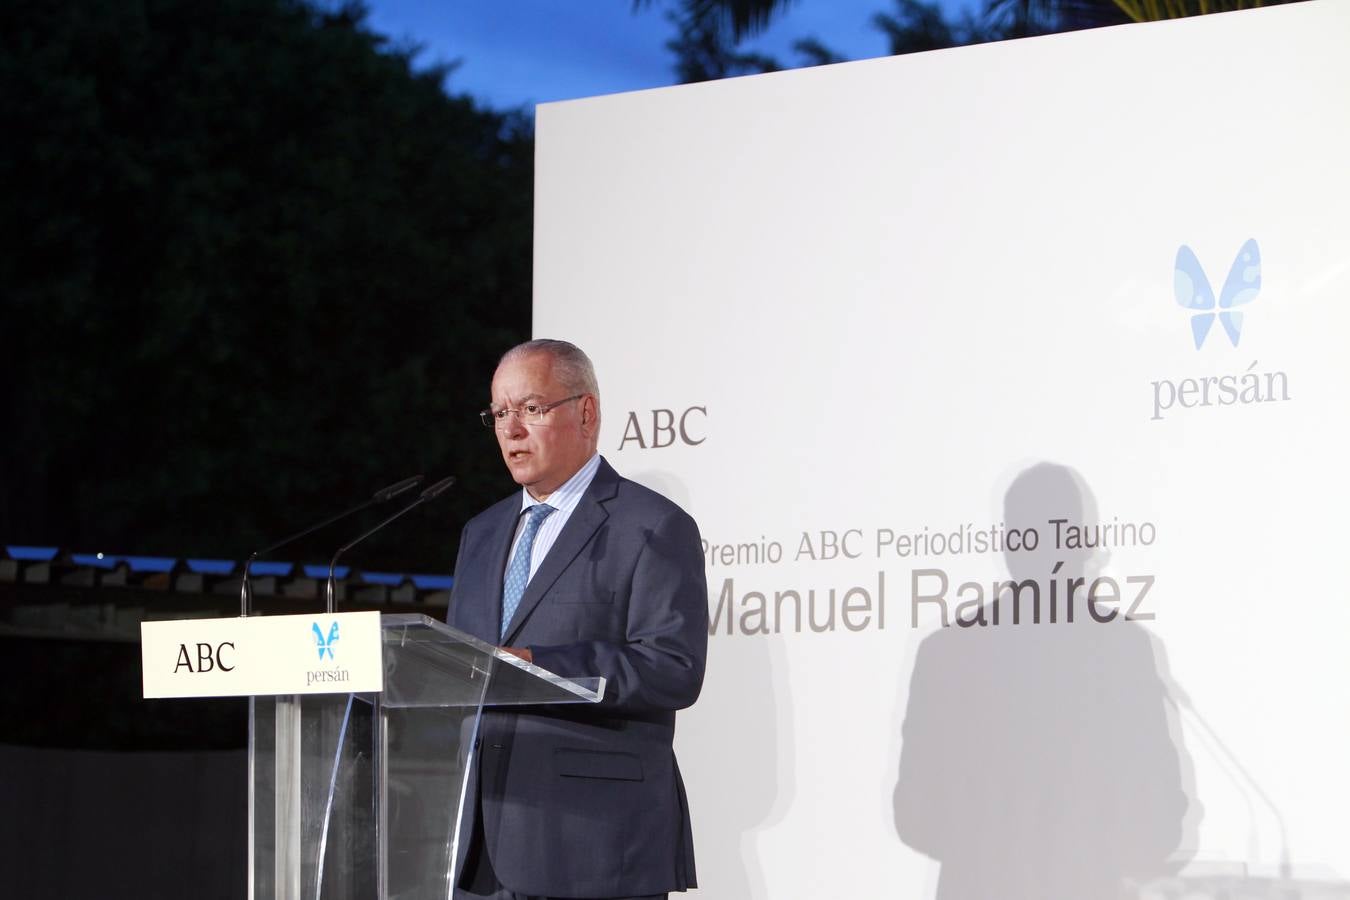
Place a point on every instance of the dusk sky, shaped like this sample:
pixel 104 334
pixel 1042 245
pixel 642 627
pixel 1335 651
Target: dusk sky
pixel 521 52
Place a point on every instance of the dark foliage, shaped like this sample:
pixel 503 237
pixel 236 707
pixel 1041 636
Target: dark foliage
pixel 738 19
pixel 253 265
pixel 705 47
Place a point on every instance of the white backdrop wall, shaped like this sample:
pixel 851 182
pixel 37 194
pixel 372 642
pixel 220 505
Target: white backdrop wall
pixel 901 298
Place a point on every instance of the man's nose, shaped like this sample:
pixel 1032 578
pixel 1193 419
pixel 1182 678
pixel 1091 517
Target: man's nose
pixel 513 427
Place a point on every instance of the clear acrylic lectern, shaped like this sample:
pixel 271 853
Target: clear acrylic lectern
pixel 359 795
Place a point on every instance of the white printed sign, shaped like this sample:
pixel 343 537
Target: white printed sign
pixel 310 654
pixel 1007 387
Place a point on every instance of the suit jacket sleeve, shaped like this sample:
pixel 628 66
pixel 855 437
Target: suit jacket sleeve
pixel 657 663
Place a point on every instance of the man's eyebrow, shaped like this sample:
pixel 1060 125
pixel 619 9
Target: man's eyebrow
pixel 526 399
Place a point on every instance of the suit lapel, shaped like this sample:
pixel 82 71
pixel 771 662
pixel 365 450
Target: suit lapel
pixel 498 533
pixel 585 520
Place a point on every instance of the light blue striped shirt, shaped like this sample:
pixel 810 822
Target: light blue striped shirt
pixel 564 500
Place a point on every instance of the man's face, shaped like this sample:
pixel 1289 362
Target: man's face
pixel 541 457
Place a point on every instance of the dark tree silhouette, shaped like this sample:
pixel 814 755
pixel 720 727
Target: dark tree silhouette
pixel 254 264
pixel 712 31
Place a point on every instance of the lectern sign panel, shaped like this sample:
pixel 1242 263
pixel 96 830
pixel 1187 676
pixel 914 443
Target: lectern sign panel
pixel 310 654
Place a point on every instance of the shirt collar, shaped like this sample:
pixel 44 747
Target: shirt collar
pixel 565 498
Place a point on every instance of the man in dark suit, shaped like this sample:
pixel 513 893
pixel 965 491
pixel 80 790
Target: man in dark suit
pixel 583 573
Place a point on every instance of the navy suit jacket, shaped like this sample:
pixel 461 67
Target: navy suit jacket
pixel 586 800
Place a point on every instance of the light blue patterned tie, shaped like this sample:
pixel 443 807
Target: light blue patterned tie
pixel 518 572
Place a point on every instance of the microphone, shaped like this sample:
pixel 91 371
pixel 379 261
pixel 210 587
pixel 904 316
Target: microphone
pixel 430 493
pixel 382 495
pixel 394 490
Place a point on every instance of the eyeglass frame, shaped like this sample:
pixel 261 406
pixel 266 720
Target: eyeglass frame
pixel 495 418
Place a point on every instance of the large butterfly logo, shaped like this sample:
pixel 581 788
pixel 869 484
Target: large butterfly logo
pixel 325 644
pixel 1239 288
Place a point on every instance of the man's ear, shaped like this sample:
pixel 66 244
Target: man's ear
pixel 590 411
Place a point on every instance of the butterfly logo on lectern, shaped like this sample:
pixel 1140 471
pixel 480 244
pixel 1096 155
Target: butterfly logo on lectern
pixel 325 644
pixel 1239 288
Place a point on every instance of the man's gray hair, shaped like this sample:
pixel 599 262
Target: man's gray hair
pixel 571 366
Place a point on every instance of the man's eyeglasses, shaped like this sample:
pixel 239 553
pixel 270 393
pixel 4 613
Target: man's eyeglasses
pixel 529 414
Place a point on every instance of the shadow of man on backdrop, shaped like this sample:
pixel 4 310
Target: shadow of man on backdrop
pixel 1037 761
